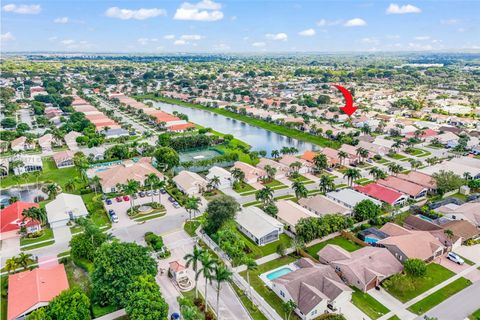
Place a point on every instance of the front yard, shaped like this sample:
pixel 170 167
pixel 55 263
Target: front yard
pixel 47 234
pixel 405 287
pixel 368 304
pixel 346 244
pixel 243 187
pixel 439 296
pixel 261 251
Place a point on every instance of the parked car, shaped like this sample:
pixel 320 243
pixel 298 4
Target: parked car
pixel 452 256
pixel 113 216
pixel 155 192
pixel 163 191
pixel 126 198
pixel 134 196
pixel 108 202
pixel 149 193
pixel 176 204
pixel 119 199
pixel 171 199
pixel 141 194
pixel 175 316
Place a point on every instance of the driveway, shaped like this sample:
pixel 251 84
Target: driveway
pixel 62 234
pixel 11 246
pixel 470 252
pixel 351 312
pixel 450 265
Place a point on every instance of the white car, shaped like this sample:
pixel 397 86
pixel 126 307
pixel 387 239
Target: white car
pixel 455 258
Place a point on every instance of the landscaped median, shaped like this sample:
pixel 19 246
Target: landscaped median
pixel 439 296
pixel 146 211
pixel 292 133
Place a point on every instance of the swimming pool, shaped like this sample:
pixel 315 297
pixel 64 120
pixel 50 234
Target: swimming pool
pixel 371 240
pixel 278 273
pixel 425 218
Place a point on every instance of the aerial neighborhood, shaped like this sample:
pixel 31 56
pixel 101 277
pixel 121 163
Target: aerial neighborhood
pixel 215 186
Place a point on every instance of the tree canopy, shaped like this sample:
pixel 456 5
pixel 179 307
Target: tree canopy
pixel 219 211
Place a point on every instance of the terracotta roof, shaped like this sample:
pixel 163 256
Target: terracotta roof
pixel 127 170
pixel 407 187
pixel 11 216
pixel 29 288
pixel 380 192
pixel 176 266
pixel 462 228
pixel 419 178
pixel 309 155
pixel 179 127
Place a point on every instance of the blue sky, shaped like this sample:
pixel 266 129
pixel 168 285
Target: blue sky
pixel 239 26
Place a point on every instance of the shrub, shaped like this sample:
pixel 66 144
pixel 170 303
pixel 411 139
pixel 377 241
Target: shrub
pixel 415 267
pixel 281 249
pixel 154 241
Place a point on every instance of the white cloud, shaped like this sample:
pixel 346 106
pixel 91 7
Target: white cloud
pixel 169 37
pixel 422 38
pixel 145 41
pixel 394 8
pixel 68 42
pixel 355 22
pixel 205 10
pixel 307 33
pixel 450 22
pixel 7 36
pixel 258 44
pixel 61 20
pixel 277 36
pixel 23 8
pixel 180 42
pixel 140 14
pixel 370 40
pixel 191 37
pixel 324 22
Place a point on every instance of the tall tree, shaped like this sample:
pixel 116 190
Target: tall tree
pixel 194 259
pixel 144 300
pixel 192 205
pixel 220 274
pixel 208 266
pixel 299 189
pixel 219 211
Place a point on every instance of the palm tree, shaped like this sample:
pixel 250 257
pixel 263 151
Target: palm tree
pixel 192 205
pixel 70 185
pixel 130 188
pixel 150 181
pixel 265 195
pixel 397 145
pixel 326 183
pixel 251 265
pixel 81 163
pixel 363 154
pixel 271 171
pixel 342 155
pixel 448 233
pixel 52 190
pixel 95 182
pixel 193 259
pixel 298 244
pixel 377 173
pixel 395 168
pixel 11 264
pixel 238 175
pixel 288 307
pixel 299 189
pixel 275 154
pixel 36 214
pixel 295 167
pixel 320 161
pixel 352 174
pixel 208 265
pixel 415 164
pixel 221 274
pixel 215 182
pixel 25 259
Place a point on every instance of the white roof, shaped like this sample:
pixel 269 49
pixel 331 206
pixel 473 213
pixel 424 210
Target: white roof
pixel 350 197
pixel 219 172
pixel 291 213
pixel 257 222
pixel 64 203
pixel 459 166
pixel 186 180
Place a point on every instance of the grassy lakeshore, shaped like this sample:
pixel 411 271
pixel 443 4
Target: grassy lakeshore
pixel 292 133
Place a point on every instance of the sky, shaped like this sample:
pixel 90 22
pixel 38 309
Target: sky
pixel 201 26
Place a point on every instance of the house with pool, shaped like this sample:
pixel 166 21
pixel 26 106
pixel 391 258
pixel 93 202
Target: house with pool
pixel 315 288
pixel 261 228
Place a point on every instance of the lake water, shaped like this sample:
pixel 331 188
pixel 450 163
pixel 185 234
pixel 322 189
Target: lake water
pixel 258 138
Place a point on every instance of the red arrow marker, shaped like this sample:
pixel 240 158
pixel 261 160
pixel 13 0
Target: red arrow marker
pixel 349 108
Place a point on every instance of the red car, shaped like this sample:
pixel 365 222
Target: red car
pixel 119 199
pixel 126 198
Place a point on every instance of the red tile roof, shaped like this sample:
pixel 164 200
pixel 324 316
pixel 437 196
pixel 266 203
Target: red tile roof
pixel 379 192
pixel 309 155
pixel 180 127
pixel 30 288
pixel 11 216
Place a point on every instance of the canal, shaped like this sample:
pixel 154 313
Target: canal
pixel 258 138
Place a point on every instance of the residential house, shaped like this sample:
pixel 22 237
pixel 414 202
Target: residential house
pixel 223 175
pixel 469 211
pixel 28 163
pixel 12 219
pixel 419 178
pixel 63 159
pixel 413 190
pixel 119 174
pixel 382 193
pixel 45 142
pixel 365 268
pixel 64 208
pixel 94 153
pixel 4 167
pixel 312 287
pixel 71 140
pixel 258 226
pixel 20 144
pixel 190 183
pixel 322 205
pixel 252 174
pixel 407 244
pixel 289 213
pixel 33 289
pixel 351 151
pixel 281 169
pixel 349 198
pixel 305 167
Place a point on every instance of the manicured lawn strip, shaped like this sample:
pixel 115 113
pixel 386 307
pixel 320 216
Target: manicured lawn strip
pixel 436 274
pixel 300 178
pixel 292 133
pixel 368 304
pixel 273 183
pixel 339 241
pixel 191 226
pixel 151 216
pixel 261 251
pixel 247 303
pixel 397 156
pixel 47 234
pixel 287 196
pixel 475 315
pixel 3 295
pixel 243 187
pixel 280 187
pixel 96 210
pixel 38 245
pixel 395 317
pixel 248 204
pixel 259 286
pixel 439 296
pixel 248 193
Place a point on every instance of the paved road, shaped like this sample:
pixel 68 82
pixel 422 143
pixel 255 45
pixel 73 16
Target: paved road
pixel 459 306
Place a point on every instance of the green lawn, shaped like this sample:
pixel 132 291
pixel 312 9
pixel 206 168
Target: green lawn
pixel 3 295
pixel 152 215
pixel 47 235
pixel 95 208
pixel 273 184
pixel 38 245
pixel 397 156
pixel 261 251
pixel 439 296
pixel 346 244
pixel 247 303
pixel 475 315
pixel 292 133
pixel 368 304
pixel 191 226
pixel 410 287
pixel 363 181
pixel 301 179
pixel 259 286
pixel 243 187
